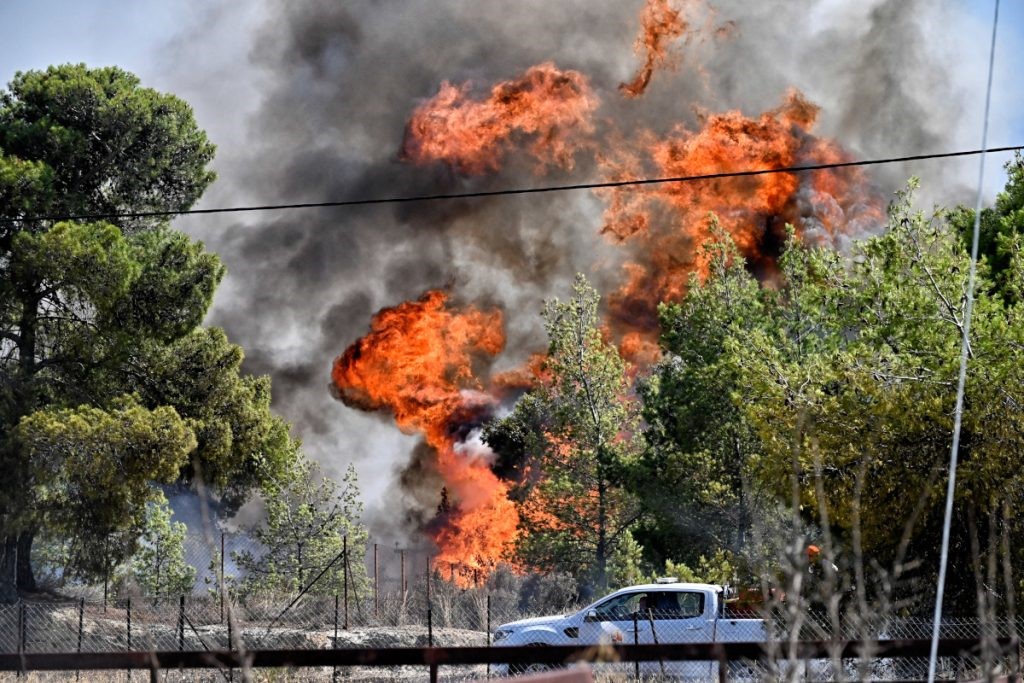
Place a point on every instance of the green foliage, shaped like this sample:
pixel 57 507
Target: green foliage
pixel 158 566
pixel 241 445
pixel 308 519
pixel 579 427
pixel 626 566
pixel 720 568
pixel 852 392
pixel 692 476
pixel 1001 229
pixel 91 473
pixel 93 311
pixel 98 143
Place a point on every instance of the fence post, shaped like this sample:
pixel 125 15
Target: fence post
pixel 22 628
pixel 78 649
pixel 221 583
pixel 81 617
pixel 402 585
pixel 488 631
pixel 128 620
pixel 20 618
pixel 181 623
pixel 636 641
pixel 334 643
pixel 430 626
pixel 344 580
pixel 376 584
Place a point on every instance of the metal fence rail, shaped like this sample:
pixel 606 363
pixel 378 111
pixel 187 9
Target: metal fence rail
pixel 433 657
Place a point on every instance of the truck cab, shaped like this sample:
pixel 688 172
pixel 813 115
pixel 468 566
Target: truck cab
pixel 663 612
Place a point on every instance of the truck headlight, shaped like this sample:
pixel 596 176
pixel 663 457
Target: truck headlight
pixel 501 634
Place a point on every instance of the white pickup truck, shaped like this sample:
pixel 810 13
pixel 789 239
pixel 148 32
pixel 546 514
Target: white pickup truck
pixel 663 612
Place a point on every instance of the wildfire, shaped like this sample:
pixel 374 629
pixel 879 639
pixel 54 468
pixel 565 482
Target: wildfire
pixel 419 362
pixel 660 24
pixel 549 106
pixel 425 361
pixel 663 225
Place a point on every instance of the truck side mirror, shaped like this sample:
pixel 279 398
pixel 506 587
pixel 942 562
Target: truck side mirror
pixel 591 616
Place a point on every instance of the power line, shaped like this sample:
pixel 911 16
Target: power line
pixel 965 348
pixel 518 191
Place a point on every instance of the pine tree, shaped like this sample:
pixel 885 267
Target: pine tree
pixel 310 521
pixel 158 567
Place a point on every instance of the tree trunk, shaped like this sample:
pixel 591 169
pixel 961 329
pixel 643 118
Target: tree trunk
pixel 8 570
pixel 26 577
pixel 744 521
pixel 601 560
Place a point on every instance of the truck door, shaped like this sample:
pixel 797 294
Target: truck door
pixel 612 621
pixel 677 617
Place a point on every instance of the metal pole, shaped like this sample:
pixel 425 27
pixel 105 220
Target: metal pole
pixel 654 636
pixel 21 635
pixel 402 554
pixel 334 643
pixel 230 644
pixel 21 628
pixel 181 623
pixel 128 620
pixel 428 577
pixel 344 578
pixel 81 615
pixel 636 641
pixel 376 584
pixel 488 631
pixel 430 641
pixel 221 583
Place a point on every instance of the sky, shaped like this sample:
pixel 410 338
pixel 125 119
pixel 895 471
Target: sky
pixel 307 102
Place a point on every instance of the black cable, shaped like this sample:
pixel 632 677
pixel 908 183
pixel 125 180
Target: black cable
pixel 522 190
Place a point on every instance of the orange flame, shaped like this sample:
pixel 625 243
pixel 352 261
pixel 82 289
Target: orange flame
pixel 550 106
pixel 664 225
pixel 423 360
pixel 660 24
pixel 419 362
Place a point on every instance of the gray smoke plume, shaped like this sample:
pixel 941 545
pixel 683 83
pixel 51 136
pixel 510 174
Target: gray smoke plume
pixel 310 100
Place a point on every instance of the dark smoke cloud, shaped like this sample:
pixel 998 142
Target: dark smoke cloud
pixel 325 88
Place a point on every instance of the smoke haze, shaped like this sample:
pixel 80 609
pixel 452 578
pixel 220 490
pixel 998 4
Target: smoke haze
pixel 309 101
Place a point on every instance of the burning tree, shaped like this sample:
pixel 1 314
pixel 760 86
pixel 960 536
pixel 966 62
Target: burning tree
pixel 419 362
pixel 579 432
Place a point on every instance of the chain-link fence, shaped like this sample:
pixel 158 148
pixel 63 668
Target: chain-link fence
pixel 456 616
pixel 386 596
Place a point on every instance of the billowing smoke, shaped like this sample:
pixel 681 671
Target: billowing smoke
pixel 337 83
